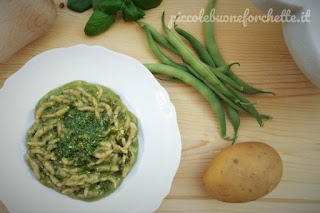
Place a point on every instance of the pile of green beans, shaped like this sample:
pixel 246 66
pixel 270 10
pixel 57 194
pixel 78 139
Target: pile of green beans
pixel 205 70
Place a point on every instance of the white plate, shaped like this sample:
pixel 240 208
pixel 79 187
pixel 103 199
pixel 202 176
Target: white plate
pixel 160 145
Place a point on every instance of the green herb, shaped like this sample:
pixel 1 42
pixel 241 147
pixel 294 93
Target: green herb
pixel 79 5
pixel 127 1
pixel 111 6
pixel 132 13
pixel 95 4
pixel 81 138
pixel 98 23
pixel 105 11
pixel 147 4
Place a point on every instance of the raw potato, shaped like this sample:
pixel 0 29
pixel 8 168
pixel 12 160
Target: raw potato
pixel 243 172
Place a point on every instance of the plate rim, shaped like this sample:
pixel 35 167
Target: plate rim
pixel 10 80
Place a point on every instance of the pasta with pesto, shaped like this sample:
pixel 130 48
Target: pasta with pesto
pixel 83 142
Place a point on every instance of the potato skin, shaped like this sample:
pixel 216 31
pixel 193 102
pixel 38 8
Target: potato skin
pixel 243 172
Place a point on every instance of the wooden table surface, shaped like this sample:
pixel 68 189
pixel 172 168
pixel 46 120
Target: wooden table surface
pixel 265 63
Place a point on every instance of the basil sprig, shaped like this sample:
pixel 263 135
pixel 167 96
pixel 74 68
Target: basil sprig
pixel 111 6
pixel 147 4
pixel 79 5
pixel 105 12
pixel 132 13
pixel 95 4
pixel 99 22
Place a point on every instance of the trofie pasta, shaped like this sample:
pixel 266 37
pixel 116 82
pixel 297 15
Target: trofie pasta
pixel 83 142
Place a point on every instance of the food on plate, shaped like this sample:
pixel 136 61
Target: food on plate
pixel 243 172
pixel 206 65
pixel 83 142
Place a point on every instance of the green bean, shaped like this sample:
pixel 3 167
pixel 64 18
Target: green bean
pixel 216 56
pixel 231 107
pixel 172 79
pixel 224 78
pixel 219 72
pixel 235 120
pixel 199 48
pixel 250 108
pixel 210 39
pixel 223 97
pixel 198 85
pixel 209 74
pixel 200 67
pixel 246 87
pixel 157 52
pixel 205 56
pixel 158 37
pixel 225 69
pixel 266 117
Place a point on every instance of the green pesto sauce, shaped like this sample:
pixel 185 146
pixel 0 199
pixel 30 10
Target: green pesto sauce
pixel 82 134
pixel 81 138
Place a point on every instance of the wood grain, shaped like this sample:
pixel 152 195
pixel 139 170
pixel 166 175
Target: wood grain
pixel 265 63
pixel 3 209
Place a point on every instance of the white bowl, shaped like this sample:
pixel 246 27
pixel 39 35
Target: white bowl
pixel 302 39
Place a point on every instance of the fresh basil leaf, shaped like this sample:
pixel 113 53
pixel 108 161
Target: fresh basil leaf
pixel 132 13
pixel 127 1
pixel 98 23
pixel 147 4
pixel 111 6
pixel 95 4
pixel 122 7
pixel 79 5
